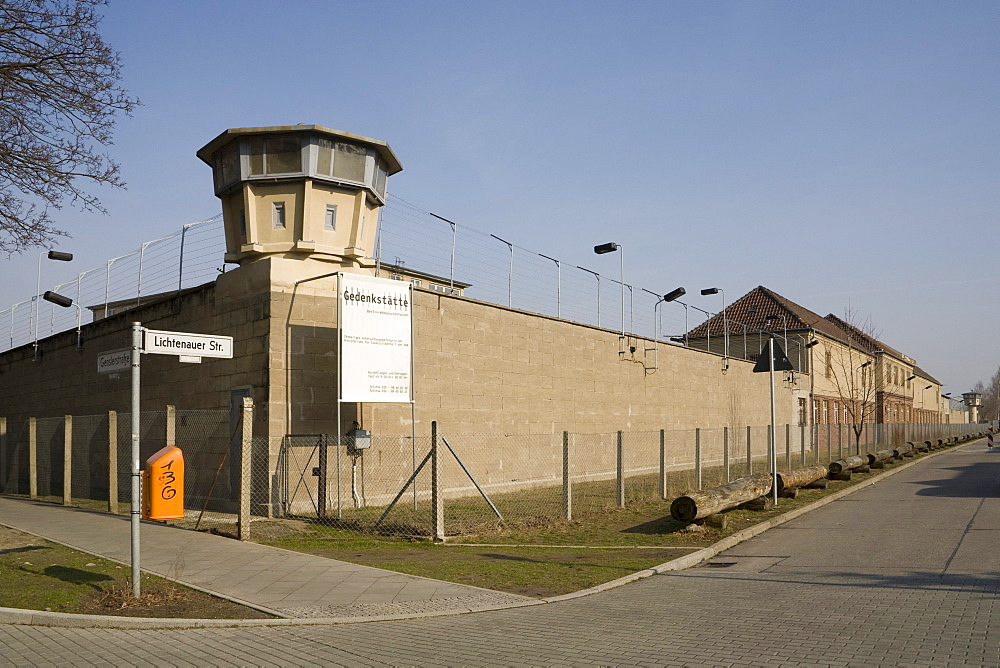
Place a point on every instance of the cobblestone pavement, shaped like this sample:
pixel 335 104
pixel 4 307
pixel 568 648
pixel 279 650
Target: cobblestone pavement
pixel 902 573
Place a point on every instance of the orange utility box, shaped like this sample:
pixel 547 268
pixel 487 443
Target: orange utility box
pixel 163 485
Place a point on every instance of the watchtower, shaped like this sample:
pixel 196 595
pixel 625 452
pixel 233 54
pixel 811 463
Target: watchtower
pixel 302 193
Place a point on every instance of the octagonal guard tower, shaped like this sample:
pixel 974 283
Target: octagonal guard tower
pixel 305 197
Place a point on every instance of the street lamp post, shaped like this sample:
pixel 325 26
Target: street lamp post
pixel 598 277
pixel 725 322
pixel 708 327
pixel 52 255
pixel 669 297
pixel 611 247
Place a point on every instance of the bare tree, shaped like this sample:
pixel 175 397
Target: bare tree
pixel 59 96
pixel 852 371
pixel 990 409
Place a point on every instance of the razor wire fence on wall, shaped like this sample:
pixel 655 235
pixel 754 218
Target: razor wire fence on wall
pixel 496 271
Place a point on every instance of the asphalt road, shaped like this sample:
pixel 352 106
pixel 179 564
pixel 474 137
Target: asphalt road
pixel 906 571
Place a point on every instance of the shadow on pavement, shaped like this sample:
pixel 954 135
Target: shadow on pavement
pixel 978 480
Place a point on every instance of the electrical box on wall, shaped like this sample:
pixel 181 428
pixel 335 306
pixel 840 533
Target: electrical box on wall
pixel 358 440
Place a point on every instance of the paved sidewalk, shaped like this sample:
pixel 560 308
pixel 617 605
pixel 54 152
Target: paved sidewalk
pixel 903 572
pixel 284 583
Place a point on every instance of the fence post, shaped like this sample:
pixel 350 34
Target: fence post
pixel 171 420
pixel 246 442
pixel 697 458
pixel 802 442
pixel 3 454
pixel 67 460
pixel 567 480
pixel 663 464
pixel 749 454
pixel 788 446
pixel 32 459
pixel 113 462
pixel 621 470
pixel 437 498
pixel 725 451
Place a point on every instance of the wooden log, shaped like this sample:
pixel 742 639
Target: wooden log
pixel 880 456
pixel 762 503
pixel 940 443
pixel 822 483
pixel 923 447
pixel 877 465
pixel 846 475
pixel 864 468
pixel 847 464
pixel 800 477
pixel 789 492
pixel 697 505
pixel 905 450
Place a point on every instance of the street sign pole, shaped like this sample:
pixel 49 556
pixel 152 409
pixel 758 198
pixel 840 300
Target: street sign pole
pixel 136 470
pixel 774 440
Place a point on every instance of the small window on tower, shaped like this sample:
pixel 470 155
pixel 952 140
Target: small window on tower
pixel 330 222
pixel 278 215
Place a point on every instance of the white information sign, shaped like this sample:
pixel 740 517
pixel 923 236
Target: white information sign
pixel 112 362
pixel 376 328
pixel 183 343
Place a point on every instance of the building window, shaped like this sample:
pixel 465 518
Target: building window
pixel 330 221
pixel 243 226
pixel 829 364
pixel 278 215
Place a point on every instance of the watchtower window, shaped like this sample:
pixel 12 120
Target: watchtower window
pixel 330 222
pixel 349 162
pixel 278 215
pixel 275 155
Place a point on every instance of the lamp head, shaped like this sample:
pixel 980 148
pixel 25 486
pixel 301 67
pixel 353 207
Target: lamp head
pixel 812 343
pixel 57 299
pixel 609 247
pixel 59 255
pixel 710 291
pixel 674 294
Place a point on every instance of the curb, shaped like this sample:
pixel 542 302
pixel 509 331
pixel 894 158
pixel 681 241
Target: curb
pixel 73 620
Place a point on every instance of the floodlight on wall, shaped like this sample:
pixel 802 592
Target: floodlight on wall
pixel 928 387
pixel 725 322
pixel 812 343
pixel 57 299
pixel 611 247
pixel 52 255
pixel 910 378
pixel 674 294
pixel 66 302
pixel 868 363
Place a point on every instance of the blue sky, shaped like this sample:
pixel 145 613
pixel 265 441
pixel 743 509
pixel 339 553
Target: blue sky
pixel 839 153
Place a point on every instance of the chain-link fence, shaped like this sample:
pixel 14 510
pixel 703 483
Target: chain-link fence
pixel 321 484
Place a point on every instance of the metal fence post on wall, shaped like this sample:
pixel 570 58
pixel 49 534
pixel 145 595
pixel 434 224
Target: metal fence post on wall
pixel 621 469
pixel 32 459
pixel 697 458
pixel 749 453
pixel 246 442
pixel 663 464
pixel 437 496
pixel 725 451
pixel 67 492
pixel 567 480
pixel 113 462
